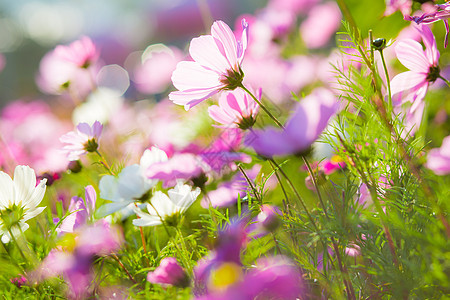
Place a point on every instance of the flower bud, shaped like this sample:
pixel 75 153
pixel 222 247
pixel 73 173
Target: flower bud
pixel 169 272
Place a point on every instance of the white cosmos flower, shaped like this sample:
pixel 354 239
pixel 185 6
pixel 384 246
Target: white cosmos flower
pixel 131 184
pixel 168 208
pixel 19 200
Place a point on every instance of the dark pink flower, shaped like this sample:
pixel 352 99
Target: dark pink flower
pixel 423 66
pixel 169 272
pixel 236 109
pixel 438 159
pixel 302 129
pixel 81 141
pixel 216 66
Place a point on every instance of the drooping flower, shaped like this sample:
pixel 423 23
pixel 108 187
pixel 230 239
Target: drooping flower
pixel 302 129
pixel 83 52
pixel 83 140
pixel 438 159
pixel 423 66
pixel 19 199
pixel 169 272
pixel 441 12
pixel 236 109
pixel 216 66
pixel 167 209
pixel 130 185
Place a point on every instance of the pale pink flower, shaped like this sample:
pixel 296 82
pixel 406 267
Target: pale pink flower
pixel 315 32
pixel 82 53
pixel 302 129
pixel 404 6
pixel 236 109
pixel 81 141
pixel 2 62
pixel 438 159
pixel 216 66
pixel 423 66
pixel 169 272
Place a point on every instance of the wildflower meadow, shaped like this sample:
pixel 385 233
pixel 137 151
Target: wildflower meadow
pixel 293 149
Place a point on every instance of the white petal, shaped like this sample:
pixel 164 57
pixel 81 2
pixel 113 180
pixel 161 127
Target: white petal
pixel 7 190
pixel 24 183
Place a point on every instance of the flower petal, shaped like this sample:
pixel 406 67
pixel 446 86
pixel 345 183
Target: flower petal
pixel 206 52
pixel 407 80
pixel 412 56
pixel 223 33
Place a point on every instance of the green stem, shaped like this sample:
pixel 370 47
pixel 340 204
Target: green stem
pixel 316 186
pixel 262 106
pixel 258 198
pixel 388 82
pixel 104 162
pixel 445 80
pixel 123 267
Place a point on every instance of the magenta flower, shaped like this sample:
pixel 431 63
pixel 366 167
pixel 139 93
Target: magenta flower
pixel 302 129
pixel 81 141
pixel 423 66
pixel 216 66
pixel 169 272
pixel 438 159
pixel 82 52
pixel 236 109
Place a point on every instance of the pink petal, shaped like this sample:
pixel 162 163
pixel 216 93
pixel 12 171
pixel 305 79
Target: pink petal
pixel 430 44
pixel 190 98
pixel 412 56
pixel 223 33
pixel 407 80
pixel 190 75
pixel 205 51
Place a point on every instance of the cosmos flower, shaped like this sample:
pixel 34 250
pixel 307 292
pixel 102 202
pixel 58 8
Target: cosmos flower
pixel 216 66
pixel 302 129
pixel 236 109
pixel 168 209
pixel 82 53
pixel 83 140
pixel 404 6
pixel 423 68
pixel 19 199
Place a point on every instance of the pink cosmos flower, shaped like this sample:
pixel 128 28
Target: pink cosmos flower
pixel 169 272
pixel 82 52
pixel 81 141
pixel 423 65
pixel 2 62
pixel 402 5
pixel 302 129
pixel 438 159
pixel 216 66
pixel 236 109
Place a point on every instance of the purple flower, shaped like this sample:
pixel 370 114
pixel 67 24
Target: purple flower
pixel 81 141
pixel 302 129
pixel 216 66
pixel 442 12
pixel 169 272
pixel 423 66
pixel 438 159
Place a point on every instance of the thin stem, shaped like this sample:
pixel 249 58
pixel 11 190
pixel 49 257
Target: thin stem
pixel 388 82
pixel 18 246
pixel 316 186
pixel 104 162
pixel 263 107
pixel 143 238
pixel 123 267
pixel 445 80
pixel 250 184
pixel 184 248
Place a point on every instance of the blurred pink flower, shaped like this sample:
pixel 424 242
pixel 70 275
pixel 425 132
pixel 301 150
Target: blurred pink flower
pixel 438 159
pixel 83 140
pixel 169 272
pixel 216 66
pixel 2 62
pixel 236 109
pixel 423 65
pixel 296 6
pixel 81 53
pixel 322 22
pixel 302 128
pixel 153 75
pixel 404 6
